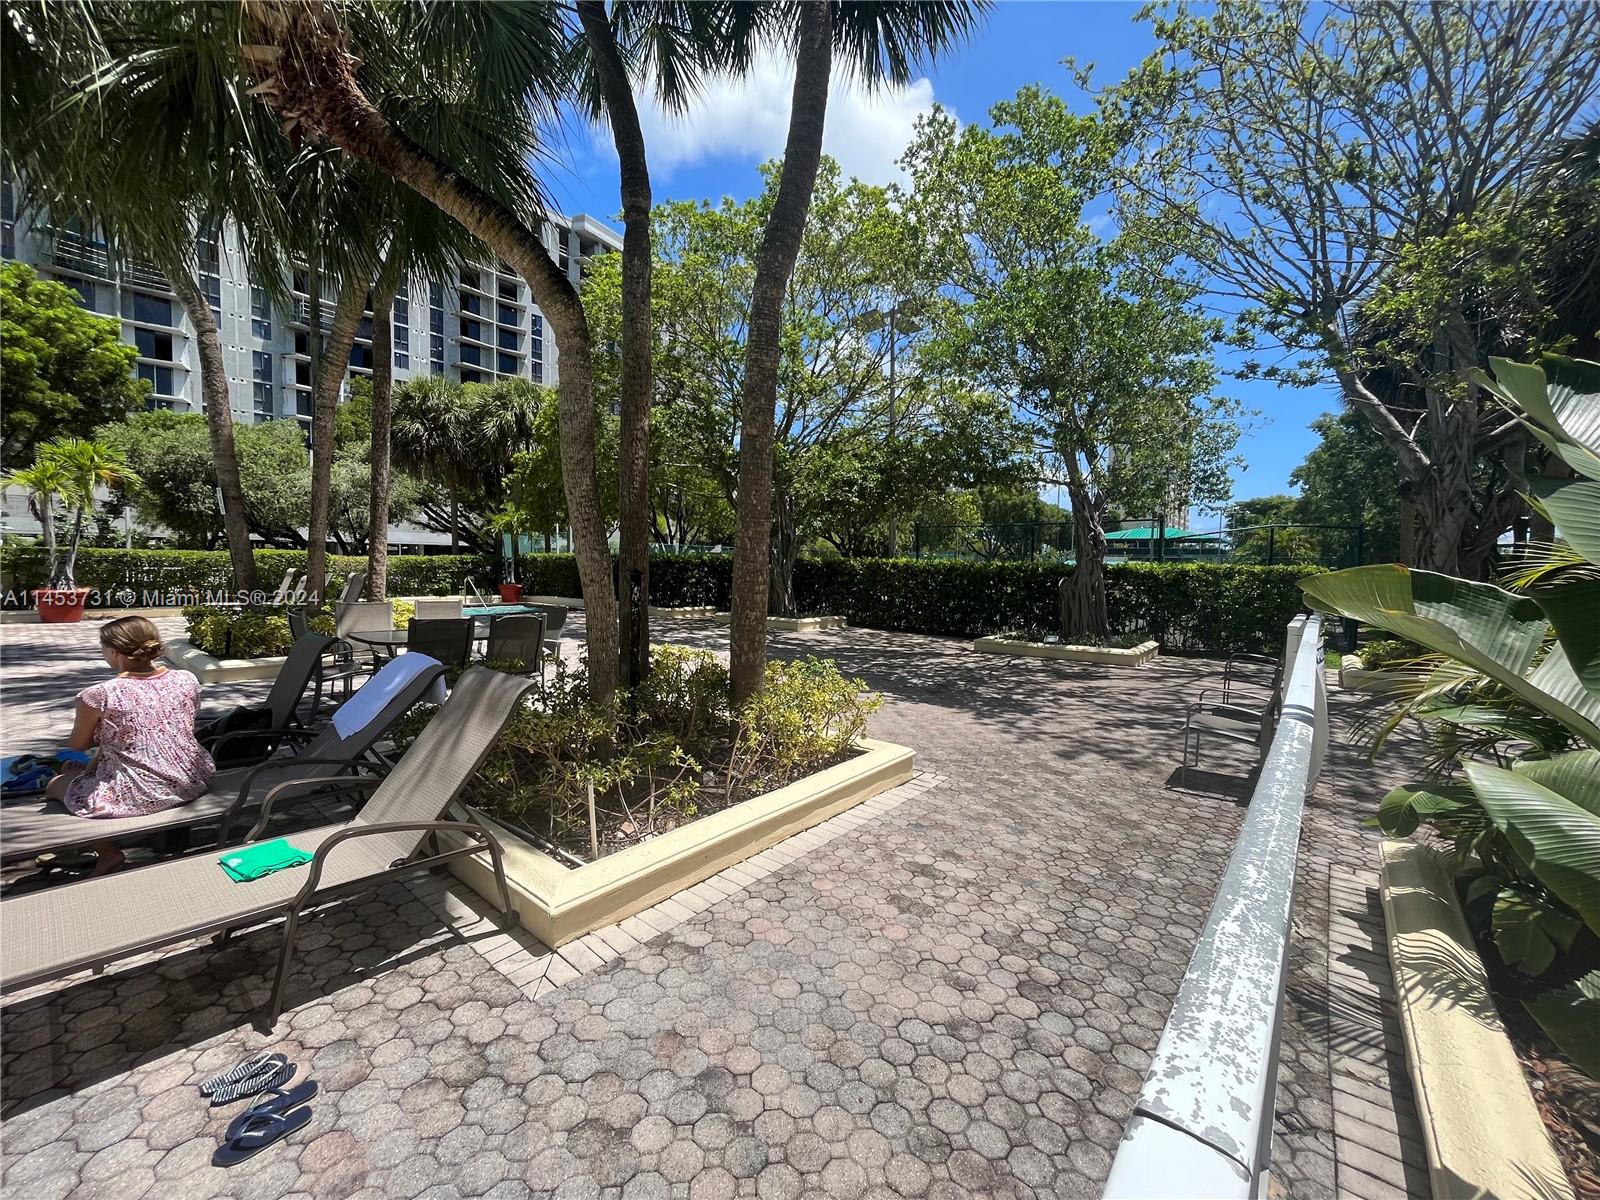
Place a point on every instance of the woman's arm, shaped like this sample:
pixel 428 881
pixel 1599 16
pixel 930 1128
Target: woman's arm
pixel 84 723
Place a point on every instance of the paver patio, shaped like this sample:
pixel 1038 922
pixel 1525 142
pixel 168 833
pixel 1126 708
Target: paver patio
pixel 951 992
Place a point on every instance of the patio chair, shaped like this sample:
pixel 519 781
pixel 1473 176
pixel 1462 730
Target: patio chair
pixel 324 763
pixel 353 587
pixel 517 636
pixel 364 616
pixel 285 587
pixel 555 616
pixel 1252 671
pixel 59 931
pixel 301 668
pixel 447 639
pixel 439 610
pixel 1231 717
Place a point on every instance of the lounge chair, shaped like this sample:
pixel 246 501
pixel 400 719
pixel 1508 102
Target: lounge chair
pixel 363 616
pixel 285 587
pixel 59 931
pixel 303 666
pixel 555 616
pixel 438 610
pixel 353 587
pixel 326 763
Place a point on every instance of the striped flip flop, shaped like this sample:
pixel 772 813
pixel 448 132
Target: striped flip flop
pixel 253 1075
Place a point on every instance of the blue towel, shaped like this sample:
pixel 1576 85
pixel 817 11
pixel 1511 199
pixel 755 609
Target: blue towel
pixel 371 697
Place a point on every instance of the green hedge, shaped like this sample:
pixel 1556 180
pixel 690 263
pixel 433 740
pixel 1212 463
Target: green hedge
pixel 166 578
pixel 1186 606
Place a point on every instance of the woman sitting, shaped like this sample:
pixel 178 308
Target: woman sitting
pixel 141 721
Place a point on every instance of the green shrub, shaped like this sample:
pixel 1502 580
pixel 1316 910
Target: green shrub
pixel 173 578
pixel 1387 652
pixel 673 751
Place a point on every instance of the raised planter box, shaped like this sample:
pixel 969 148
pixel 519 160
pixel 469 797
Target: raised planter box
pixel 1110 656
pixel 792 624
pixel 692 611
pixel 1481 1128
pixel 210 669
pixel 557 904
pixel 1357 678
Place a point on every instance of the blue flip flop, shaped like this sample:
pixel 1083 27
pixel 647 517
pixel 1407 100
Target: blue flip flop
pixel 262 1129
pixel 275 1101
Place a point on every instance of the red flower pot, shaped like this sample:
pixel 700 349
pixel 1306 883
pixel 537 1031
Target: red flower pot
pixel 60 606
pixel 510 593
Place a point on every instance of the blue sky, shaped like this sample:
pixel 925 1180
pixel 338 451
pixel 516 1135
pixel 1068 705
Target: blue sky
pixel 716 149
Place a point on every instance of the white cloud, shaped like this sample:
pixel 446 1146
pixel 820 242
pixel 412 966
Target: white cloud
pixel 748 117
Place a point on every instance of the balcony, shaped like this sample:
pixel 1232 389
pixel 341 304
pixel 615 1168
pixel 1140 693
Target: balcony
pixel 139 273
pixel 71 252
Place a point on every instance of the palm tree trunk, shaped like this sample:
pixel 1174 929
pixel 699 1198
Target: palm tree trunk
pixel 47 528
pixel 633 506
pixel 69 569
pixel 382 410
pixel 219 422
pixel 774 264
pixel 298 53
pixel 331 368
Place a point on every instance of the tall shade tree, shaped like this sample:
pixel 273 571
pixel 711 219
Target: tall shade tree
pixel 60 366
pixel 1353 166
pixel 340 72
pixel 874 42
pixel 1097 341
pixel 102 110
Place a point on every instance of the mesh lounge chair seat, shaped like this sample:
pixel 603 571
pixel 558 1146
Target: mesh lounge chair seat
pixel 62 930
pixel 326 761
pixel 303 665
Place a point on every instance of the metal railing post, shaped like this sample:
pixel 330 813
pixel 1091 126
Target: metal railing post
pixel 1203 1124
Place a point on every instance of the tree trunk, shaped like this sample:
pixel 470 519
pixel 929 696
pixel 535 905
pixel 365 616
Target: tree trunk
pixel 219 422
pixel 780 246
pixel 69 569
pixel 785 549
pixel 1084 613
pixel 299 55
pixel 637 338
pixel 331 368
pixel 382 410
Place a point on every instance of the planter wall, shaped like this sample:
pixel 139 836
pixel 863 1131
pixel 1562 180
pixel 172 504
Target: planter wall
pixel 1109 656
pixel 557 904
pixel 210 669
pixel 792 624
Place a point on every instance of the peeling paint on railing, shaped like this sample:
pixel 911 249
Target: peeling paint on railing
pixel 1203 1124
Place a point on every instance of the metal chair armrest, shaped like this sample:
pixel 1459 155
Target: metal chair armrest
pixel 312 788
pixel 288 732
pixel 314 877
pixel 281 764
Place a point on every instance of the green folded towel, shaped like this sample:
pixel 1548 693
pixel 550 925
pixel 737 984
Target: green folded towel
pixel 249 863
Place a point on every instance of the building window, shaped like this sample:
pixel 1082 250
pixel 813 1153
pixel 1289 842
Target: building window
pixel 159 378
pixel 361 357
pixel 147 310
pixel 302 403
pixel 471 278
pixel 473 305
pixel 263 399
pixel 471 376
pixel 508 364
pixel 260 314
pixel 302 342
pixel 435 329
pixel 536 347
pixel 509 339
pixel 472 330
pixel 402 332
pixel 508 316
pixel 152 344
pixel 85 290
pixel 261 386
pixel 472 356
pixel 209 252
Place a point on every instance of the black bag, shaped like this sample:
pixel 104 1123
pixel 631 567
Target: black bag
pixel 238 751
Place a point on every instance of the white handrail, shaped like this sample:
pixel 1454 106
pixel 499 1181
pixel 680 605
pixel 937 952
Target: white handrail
pixel 1202 1129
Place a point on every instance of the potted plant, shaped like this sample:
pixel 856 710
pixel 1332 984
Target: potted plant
pixel 69 468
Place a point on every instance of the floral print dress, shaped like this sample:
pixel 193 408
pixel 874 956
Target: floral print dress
pixel 149 759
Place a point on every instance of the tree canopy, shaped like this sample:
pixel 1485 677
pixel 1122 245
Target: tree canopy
pixel 61 367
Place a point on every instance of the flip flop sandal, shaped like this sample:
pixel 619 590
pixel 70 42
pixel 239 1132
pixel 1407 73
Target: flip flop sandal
pixel 249 1079
pixel 59 860
pixel 249 1066
pixel 253 1085
pixel 261 1130
pixel 276 1102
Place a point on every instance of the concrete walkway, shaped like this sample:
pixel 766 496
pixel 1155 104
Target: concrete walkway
pixel 953 992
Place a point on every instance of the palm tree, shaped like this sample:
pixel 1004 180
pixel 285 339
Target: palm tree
pixel 432 436
pixel 44 481
pixel 95 119
pixel 507 60
pixel 85 466
pixel 671 44
pixel 876 42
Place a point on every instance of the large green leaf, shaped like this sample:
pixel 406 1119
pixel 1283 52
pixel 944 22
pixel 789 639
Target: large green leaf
pixel 1564 404
pixel 1575 776
pixel 1559 839
pixel 1404 808
pixel 1574 612
pixel 1574 507
pixel 1487 628
pixel 1528 931
pixel 1571 1016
